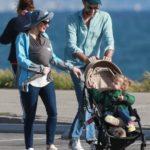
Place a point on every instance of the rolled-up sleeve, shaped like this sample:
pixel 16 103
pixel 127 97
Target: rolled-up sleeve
pixel 108 33
pixel 72 36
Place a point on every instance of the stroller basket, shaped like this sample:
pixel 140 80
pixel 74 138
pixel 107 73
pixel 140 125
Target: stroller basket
pixel 121 143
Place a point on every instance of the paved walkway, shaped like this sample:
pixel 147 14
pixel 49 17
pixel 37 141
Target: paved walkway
pixel 10 105
pixel 66 104
pixel 10 110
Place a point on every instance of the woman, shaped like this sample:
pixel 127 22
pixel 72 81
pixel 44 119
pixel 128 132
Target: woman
pixel 34 55
pixel 14 26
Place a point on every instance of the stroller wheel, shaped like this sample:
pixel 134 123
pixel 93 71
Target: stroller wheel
pixel 101 147
pixel 117 149
pixel 142 147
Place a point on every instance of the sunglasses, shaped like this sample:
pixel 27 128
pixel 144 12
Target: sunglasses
pixel 45 22
pixel 91 7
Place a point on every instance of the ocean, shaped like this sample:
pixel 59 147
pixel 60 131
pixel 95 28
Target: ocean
pixel 131 34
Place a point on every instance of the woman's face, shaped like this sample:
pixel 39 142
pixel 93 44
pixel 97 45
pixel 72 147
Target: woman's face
pixel 43 25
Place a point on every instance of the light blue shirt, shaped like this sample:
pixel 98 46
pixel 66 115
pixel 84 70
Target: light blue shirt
pixel 87 40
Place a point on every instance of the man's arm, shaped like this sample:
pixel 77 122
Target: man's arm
pixel 82 57
pixel 85 58
pixel 108 39
pixel 72 39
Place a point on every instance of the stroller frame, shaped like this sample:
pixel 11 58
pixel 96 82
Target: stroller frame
pixel 106 141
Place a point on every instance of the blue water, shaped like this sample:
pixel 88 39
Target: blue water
pixel 131 33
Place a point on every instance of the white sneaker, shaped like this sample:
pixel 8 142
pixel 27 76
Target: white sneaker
pixel 75 145
pixel 30 149
pixel 51 147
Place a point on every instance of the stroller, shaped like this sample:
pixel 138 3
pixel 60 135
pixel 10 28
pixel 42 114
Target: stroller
pixel 102 72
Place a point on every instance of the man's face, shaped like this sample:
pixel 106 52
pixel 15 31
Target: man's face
pixel 90 9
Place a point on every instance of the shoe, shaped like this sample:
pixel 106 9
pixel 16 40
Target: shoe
pixel 30 149
pixel 51 147
pixel 114 121
pixel 131 127
pixel 75 145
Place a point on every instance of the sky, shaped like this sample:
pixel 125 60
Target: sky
pixel 59 5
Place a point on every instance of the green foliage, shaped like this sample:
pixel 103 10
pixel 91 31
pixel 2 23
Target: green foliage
pixel 62 81
pixel 6 79
pixel 143 85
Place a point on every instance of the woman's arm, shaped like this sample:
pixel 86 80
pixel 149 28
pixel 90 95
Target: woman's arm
pixel 9 34
pixel 65 66
pixel 22 51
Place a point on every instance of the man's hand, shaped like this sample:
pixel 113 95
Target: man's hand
pixel 108 55
pixel 92 59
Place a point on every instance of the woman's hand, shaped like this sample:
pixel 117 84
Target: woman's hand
pixel 46 70
pixel 77 72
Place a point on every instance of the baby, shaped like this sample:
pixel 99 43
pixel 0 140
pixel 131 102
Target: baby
pixel 116 102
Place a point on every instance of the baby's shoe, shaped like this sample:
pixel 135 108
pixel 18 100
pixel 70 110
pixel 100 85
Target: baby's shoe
pixel 114 120
pixel 131 126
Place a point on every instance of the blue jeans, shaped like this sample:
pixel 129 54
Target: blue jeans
pixel 82 115
pixel 29 101
pixel 124 114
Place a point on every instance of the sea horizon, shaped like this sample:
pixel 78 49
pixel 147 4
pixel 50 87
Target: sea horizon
pixel 131 34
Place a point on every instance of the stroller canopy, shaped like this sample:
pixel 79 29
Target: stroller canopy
pixel 101 73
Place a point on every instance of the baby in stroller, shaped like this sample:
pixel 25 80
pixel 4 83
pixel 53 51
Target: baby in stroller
pixel 106 93
pixel 116 102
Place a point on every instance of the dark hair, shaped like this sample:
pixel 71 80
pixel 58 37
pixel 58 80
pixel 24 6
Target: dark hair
pixel 25 5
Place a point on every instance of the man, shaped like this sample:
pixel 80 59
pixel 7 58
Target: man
pixel 85 30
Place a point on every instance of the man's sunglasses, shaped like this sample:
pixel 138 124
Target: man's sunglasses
pixel 90 7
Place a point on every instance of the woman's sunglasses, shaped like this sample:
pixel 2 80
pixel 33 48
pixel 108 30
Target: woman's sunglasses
pixel 46 22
